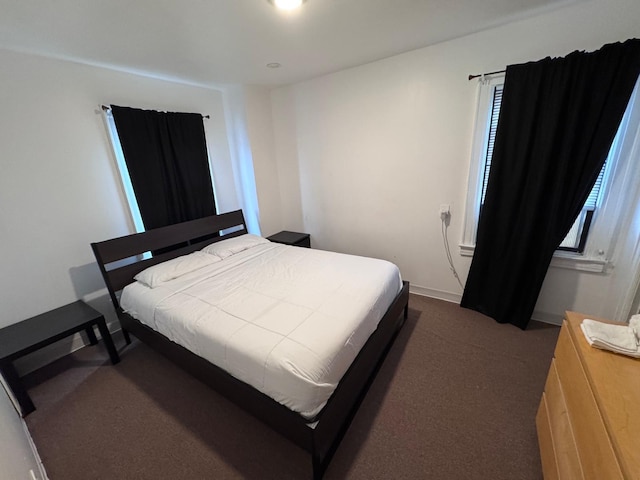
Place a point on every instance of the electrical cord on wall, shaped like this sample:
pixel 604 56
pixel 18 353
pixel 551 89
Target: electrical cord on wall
pixel 444 217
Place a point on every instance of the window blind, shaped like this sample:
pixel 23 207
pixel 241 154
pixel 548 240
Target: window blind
pixel 592 200
pixel 493 126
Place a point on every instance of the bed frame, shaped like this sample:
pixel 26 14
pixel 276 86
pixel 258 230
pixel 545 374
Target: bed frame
pixel 120 259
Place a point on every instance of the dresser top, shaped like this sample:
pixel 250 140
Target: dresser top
pixel 615 380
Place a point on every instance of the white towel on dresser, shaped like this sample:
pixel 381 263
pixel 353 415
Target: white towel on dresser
pixel 616 338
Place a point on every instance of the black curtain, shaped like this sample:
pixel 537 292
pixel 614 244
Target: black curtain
pixel 557 121
pixel 166 155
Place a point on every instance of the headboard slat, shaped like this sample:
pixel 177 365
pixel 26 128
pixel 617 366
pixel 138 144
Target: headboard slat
pixel 131 246
pixel 112 250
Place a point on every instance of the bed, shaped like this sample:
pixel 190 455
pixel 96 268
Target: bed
pixel 210 290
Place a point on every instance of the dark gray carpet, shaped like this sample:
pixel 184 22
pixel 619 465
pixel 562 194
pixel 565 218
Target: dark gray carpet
pixel 455 399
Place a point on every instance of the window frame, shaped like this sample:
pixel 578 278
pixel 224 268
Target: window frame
pixel 484 101
pixel 603 230
pixel 125 179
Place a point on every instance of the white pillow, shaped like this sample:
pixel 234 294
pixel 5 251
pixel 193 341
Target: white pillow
pixel 174 268
pixel 226 248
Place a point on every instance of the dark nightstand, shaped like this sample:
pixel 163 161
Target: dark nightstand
pixel 34 333
pixel 292 238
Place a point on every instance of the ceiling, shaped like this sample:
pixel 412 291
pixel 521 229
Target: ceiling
pixel 213 42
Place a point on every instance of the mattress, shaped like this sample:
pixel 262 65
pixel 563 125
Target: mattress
pixel 288 321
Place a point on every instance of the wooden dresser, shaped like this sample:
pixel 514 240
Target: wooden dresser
pixel 588 421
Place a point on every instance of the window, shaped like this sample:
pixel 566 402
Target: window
pixel 165 177
pixel 576 239
pixel 124 172
pixel 594 234
pixel 167 160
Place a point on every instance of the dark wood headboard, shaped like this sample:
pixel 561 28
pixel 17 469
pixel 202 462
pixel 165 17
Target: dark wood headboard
pixel 120 259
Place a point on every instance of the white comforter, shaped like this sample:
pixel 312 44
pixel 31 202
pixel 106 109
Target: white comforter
pixel 287 320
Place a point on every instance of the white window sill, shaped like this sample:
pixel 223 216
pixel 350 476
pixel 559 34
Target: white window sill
pixel 571 261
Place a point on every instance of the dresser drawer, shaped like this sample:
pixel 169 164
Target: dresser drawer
pixel 588 422
pixel 545 442
pixel 594 448
pixel 564 446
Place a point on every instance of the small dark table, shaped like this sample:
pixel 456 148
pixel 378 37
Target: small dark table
pixel 34 333
pixel 292 238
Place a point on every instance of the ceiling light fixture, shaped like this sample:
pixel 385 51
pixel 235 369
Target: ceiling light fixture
pixel 287 4
pixel 273 65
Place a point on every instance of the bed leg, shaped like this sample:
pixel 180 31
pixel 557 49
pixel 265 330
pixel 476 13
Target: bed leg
pixel 318 467
pixel 406 311
pixel 127 337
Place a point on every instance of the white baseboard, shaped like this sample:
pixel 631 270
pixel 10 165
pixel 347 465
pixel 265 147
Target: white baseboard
pixel 17 444
pixel 544 317
pixel 42 472
pixel 433 293
pixel 551 318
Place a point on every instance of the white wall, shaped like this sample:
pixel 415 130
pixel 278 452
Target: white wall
pixel 250 118
pixel 260 129
pixel 59 187
pixel 379 147
pixel 18 455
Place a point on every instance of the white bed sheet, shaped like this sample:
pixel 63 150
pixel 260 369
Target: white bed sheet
pixel 287 320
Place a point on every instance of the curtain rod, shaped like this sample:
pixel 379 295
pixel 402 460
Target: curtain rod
pixel 107 108
pixel 471 77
